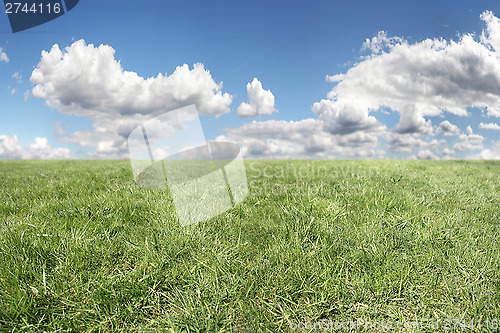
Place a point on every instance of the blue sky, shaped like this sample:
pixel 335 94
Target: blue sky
pixel 289 47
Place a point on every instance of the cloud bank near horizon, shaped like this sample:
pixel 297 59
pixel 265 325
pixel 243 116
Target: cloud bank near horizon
pixel 415 81
pixel 430 78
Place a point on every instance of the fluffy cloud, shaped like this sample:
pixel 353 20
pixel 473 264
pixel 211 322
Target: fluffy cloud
pixel 88 81
pixel 491 36
pixel 426 155
pixel 10 147
pixel 418 80
pixel 260 101
pixel 447 128
pixel 411 122
pixel 489 154
pixel 3 56
pixel 404 143
pixel 490 126
pixel 84 80
pixel 415 80
pixel 300 139
pixel 348 118
pixel 469 142
pixel 39 149
pixel 447 153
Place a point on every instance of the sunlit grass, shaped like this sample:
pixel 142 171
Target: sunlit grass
pixel 82 248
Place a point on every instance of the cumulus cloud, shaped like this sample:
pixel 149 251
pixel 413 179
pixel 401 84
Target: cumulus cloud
pixel 469 142
pixel 447 128
pixel 491 36
pixel 260 101
pixel 490 126
pixel 447 153
pixel 3 56
pixel 418 80
pixel 83 79
pixel 489 154
pixel 10 147
pixel 473 138
pixel 39 149
pixel 411 122
pixel 347 118
pixel 86 80
pixel 300 139
pixel 405 143
pixel 426 155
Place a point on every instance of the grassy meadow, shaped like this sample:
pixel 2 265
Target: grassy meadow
pixel 83 249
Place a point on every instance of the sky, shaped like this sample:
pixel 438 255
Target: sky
pixel 282 79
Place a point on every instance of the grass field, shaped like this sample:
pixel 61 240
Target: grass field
pixel 82 248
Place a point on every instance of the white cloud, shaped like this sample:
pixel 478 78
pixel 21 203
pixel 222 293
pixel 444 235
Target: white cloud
pixel 260 101
pixel 83 79
pixel 417 80
pixel 490 126
pixel 39 149
pixel 3 56
pixel 447 153
pixel 109 144
pixel 10 147
pixel 381 42
pixel 13 91
pixel 88 81
pixel 335 78
pixel 412 122
pixel 492 34
pixel 300 139
pixel 489 154
pixel 447 128
pixel 404 143
pixel 18 76
pixel 473 138
pixel 469 130
pixel 347 118
pixel 469 142
pixel 426 155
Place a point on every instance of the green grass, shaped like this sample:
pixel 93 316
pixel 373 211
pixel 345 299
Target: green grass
pixel 82 248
